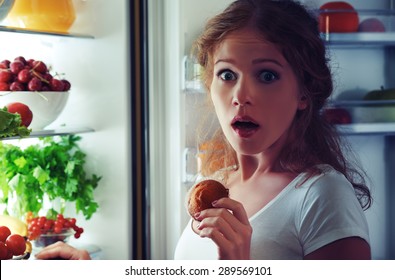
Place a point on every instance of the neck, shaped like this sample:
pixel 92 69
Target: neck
pixel 251 166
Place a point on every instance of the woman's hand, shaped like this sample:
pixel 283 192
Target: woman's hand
pixel 61 250
pixel 228 226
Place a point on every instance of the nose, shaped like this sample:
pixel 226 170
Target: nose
pixel 241 94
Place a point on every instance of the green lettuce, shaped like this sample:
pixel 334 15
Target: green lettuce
pixel 10 125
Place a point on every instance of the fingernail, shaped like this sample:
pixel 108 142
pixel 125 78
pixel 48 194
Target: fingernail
pixel 214 202
pixel 196 215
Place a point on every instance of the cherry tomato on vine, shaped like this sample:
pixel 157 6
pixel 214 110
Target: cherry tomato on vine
pixel 4 233
pixel 3 251
pixel 16 244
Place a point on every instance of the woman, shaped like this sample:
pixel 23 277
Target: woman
pixel 292 193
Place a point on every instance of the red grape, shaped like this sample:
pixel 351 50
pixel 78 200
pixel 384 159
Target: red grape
pixel 16 67
pixel 5 75
pixel 4 86
pixel 39 66
pixel 66 85
pixel 5 64
pixel 21 59
pixel 22 71
pixel 34 84
pixel 17 86
pixel 30 62
pixel 24 76
pixel 56 85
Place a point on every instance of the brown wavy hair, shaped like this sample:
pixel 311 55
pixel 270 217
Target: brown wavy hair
pixel 294 30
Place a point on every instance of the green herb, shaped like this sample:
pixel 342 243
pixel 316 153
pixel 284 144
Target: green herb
pixel 10 125
pixel 54 167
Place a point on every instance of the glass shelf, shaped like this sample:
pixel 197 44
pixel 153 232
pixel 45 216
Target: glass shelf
pixel 384 129
pixel 368 113
pixel 53 132
pixel 365 39
pixel 40 32
pixel 368 39
pixel 361 103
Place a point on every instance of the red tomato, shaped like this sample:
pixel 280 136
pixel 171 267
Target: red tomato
pixel 344 20
pixel 16 244
pixel 3 251
pixel 23 110
pixel 4 233
pixel 337 116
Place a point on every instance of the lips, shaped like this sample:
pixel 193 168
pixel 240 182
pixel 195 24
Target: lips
pixel 244 126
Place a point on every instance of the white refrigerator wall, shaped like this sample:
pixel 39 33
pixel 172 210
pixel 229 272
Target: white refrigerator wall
pixel 98 71
pixel 181 21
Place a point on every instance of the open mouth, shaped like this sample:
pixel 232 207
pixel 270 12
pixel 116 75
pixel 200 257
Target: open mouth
pixel 244 126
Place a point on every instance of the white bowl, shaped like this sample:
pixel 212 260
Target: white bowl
pixel 46 106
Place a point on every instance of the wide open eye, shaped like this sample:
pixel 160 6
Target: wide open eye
pixel 268 76
pixel 227 75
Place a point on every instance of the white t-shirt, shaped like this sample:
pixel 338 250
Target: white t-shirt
pixel 303 217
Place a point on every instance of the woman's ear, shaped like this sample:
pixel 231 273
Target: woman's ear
pixel 302 102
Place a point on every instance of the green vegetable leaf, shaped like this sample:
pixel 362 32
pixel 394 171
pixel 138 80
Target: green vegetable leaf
pixel 55 167
pixel 20 162
pixel 10 125
pixel 41 175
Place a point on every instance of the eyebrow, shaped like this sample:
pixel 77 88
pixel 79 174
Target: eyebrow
pixel 255 61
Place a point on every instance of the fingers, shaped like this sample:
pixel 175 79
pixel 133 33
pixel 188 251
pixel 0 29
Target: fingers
pixel 60 250
pixel 232 244
pixel 231 210
pixel 236 207
pixel 228 227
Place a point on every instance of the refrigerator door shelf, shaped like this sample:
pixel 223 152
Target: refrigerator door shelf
pixel 189 165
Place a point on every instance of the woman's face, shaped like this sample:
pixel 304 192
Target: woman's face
pixel 254 91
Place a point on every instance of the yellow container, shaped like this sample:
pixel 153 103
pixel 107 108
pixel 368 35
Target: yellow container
pixel 45 15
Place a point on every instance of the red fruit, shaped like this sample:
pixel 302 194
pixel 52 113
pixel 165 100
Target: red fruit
pixel 344 20
pixel 56 85
pixel 5 64
pixel 17 86
pixel 21 59
pixel 23 110
pixel 337 116
pixel 47 77
pixel 45 88
pixel 66 85
pixel 30 62
pixel 5 75
pixel 16 67
pixel 3 251
pixel 39 66
pixel 24 76
pixel 34 84
pixel 9 254
pixel 4 86
pixel 371 25
pixel 16 244
pixel 4 233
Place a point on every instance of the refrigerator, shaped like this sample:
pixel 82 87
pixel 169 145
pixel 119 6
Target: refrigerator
pixel 136 98
pixel 102 57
